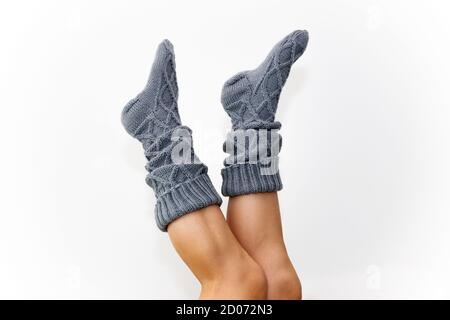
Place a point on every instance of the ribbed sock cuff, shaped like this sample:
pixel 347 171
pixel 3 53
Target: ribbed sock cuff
pixel 186 197
pixel 247 178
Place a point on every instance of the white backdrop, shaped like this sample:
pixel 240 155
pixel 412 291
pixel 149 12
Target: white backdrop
pixel 365 158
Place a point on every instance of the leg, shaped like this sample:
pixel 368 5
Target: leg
pixel 187 202
pixel 251 99
pixel 208 247
pixel 255 221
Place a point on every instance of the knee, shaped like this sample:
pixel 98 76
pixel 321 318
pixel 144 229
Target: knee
pixel 239 279
pixel 254 281
pixel 285 285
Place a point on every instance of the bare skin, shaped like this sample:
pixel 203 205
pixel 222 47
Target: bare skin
pixel 256 222
pixel 224 269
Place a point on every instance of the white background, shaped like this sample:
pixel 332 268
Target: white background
pixel 365 158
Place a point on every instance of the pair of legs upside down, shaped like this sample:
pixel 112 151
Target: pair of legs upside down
pixel 244 255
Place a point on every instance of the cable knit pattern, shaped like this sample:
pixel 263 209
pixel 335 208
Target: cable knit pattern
pixel 251 99
pixel 152 118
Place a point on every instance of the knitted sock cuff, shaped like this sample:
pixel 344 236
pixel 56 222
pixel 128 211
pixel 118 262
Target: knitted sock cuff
pixel 184 198
pixel 248 178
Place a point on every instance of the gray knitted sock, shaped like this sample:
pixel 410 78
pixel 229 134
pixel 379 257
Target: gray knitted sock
pixel 179 179
pixel 251 98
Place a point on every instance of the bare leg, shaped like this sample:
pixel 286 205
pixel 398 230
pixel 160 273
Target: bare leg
pixel 255 221
pixel 208 247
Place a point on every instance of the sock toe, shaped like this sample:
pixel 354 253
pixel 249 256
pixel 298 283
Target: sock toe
pixel 159 96
pixel 164 61
pixel 300 39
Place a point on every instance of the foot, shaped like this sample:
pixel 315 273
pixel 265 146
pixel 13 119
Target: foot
pixel 251 97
